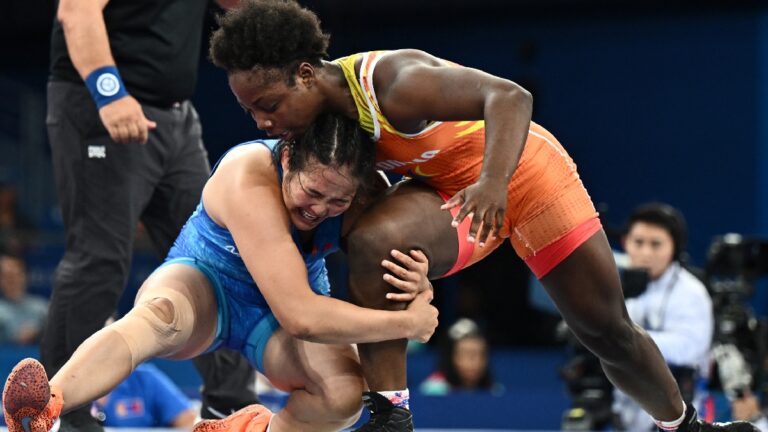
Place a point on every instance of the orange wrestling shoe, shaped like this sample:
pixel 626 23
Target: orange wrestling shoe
pixel 29 402
pixel 253 418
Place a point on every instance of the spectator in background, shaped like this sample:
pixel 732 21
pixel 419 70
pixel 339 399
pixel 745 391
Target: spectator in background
pixel 675 308
pixel 147 398
pixel 22 316
pixel 14 227
pixel 463 363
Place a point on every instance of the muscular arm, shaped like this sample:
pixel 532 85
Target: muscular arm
pixel 414 87
pixel 263 239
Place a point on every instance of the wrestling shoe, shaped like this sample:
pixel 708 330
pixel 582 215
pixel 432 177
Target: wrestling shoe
pixel 385 417
pixel 80 420
pixel 692 423
pixel 29 402
pixel 253 418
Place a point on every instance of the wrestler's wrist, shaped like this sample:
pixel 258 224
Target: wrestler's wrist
pixel 410 324
pixel 105 85
pixel 493 178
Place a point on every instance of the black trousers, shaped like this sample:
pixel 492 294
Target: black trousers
pixel 105 189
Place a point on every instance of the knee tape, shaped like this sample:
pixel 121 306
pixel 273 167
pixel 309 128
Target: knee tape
pixel 158 327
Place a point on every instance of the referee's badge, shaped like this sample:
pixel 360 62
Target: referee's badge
pixel 108 84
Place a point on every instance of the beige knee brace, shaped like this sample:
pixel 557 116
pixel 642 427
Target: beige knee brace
pixel 158 327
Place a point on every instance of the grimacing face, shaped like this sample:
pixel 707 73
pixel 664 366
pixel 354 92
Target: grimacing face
pixel 280 110
pixel 650 247
pixel 316 193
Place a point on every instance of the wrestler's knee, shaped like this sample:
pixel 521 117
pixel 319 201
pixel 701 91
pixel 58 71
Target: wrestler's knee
pixel 369 243
pixel 367 246
pixel 160 326
pixel 344 406
pixel 163 309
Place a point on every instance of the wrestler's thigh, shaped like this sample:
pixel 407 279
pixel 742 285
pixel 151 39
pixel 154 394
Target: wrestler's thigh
pixel 407 217
pixel 292 364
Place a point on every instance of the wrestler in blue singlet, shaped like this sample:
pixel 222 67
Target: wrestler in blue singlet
pixel 245 322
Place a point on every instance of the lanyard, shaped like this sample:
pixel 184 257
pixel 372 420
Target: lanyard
pixel 662 311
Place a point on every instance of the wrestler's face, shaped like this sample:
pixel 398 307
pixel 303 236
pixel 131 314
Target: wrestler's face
pixel 316 192
pixel 280 109
pixel 650 247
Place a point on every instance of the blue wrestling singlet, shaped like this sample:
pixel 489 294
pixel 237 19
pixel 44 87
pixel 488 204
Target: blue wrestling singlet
pixel 245 322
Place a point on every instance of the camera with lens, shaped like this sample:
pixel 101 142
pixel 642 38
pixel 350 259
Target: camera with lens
pixel 734 263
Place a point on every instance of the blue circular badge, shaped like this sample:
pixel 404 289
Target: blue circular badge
pixel 107 84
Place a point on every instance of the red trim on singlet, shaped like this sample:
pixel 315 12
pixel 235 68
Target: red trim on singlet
pixel 543 261
pixel 462 231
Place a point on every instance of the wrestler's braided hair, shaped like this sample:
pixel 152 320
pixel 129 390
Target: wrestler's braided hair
pixel 333 140
pixel 268 34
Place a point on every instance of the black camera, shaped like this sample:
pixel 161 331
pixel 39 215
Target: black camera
pixel 734 262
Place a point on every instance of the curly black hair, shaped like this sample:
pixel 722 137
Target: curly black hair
pixel 268 34
pixel 333 140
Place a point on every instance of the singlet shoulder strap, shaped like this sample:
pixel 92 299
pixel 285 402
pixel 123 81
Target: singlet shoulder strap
pixel 370 59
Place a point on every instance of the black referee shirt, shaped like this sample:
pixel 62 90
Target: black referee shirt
pixel 155 43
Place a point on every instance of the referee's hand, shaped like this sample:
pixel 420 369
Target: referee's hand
pixel 125 121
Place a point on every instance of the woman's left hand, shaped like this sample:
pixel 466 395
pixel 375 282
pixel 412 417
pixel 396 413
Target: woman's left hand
pixel 485 201
pixel 408 274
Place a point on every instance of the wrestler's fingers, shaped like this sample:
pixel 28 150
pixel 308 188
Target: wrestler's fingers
pixel 419 256
pixel 401 297
pixel 499 223
pixel 404 259
pixel 400 272
pixel 474 227
pixel 485 233
pixel 454 201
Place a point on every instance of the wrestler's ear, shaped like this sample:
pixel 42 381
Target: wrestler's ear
pixel 284 159
pixel 306 74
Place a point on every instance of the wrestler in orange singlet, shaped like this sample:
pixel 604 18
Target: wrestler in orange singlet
pixel 547 205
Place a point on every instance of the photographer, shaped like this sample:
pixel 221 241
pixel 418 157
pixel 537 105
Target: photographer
pixel 675 308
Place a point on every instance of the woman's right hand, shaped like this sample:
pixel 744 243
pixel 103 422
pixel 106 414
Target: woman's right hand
pixel 423 316
pixel 408 275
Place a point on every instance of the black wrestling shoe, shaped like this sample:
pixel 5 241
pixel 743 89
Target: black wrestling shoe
pixel 80 420
pixel 692 423
pixel 384 416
